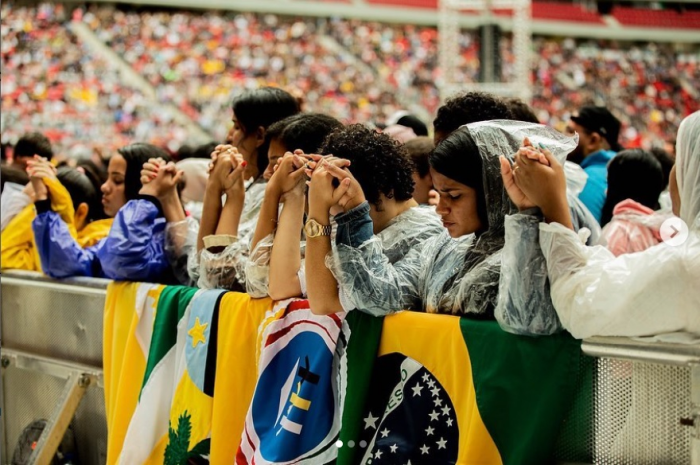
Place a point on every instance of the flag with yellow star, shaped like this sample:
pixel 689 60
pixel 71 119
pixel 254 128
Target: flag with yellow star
pixel 147 434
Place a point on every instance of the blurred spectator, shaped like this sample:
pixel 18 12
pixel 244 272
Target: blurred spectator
pixel 598 131
pixel 521 111
pixel 34 143
pixel 419 150
pixel 635 180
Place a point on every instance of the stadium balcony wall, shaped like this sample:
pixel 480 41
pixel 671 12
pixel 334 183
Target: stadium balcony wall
pixel 424 12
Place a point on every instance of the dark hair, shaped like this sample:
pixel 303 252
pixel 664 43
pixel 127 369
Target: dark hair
pixel 262 107
pixel 419 150
pixel 633 174
pixel 379 163
pixel 81 190
pixel 33 143
pixel 136 155
pixel 203 150
pixel 471 107
pixel 521 111
pixel 458 158
pixel 9 173
pixel 410 121
pixel 97 176
pixel 666 161
pixel 305 131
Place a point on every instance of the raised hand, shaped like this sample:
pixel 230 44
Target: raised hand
pixel 543 185
pixel 348 194
pixel 164 183
pixel 517 196
pixel 289 176
pixel 39 169
pixel 150 169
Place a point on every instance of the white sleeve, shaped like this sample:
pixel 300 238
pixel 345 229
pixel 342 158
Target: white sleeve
pixel 598 294
pixel 12 201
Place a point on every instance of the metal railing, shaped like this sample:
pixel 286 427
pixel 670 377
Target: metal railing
pixel 639 406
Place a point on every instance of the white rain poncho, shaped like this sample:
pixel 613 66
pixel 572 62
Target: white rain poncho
pixel 646 293
pixel 446 275
pixel 209 270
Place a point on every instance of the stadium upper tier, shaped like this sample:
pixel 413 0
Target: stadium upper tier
pixel 358 71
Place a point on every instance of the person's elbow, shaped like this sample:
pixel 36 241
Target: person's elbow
pixel 284 290
pixel 325 306
pixel 322 310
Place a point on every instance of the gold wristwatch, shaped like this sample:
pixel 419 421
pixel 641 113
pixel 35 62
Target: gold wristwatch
pixel 313 228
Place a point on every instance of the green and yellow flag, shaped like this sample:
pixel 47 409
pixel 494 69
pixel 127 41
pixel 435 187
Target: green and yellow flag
pixel 145 438
pixel 128 325
pixel 451 390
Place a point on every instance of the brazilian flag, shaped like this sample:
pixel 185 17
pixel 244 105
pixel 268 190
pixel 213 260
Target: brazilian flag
pixel 442 389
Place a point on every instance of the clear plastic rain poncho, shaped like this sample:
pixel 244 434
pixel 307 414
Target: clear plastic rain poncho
pixel 647 293
pixel 209 270
pixel 405 231
pixel 446 275
pixel 257 268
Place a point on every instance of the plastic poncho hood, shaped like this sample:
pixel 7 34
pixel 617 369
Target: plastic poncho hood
pixel 505 137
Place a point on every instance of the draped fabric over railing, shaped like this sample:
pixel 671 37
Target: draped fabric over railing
pixel 197 376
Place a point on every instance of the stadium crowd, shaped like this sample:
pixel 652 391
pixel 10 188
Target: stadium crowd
pixel 54 82
pixel 495 216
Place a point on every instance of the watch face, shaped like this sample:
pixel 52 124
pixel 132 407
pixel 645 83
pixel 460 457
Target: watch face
pixel 313 229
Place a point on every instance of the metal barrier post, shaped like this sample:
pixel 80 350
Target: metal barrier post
pixel 695 403
pixel 52 435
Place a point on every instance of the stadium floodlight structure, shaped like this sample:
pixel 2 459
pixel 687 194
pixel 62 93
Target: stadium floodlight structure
pixel 449 30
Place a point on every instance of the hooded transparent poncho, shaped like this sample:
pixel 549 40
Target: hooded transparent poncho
pixel 442 274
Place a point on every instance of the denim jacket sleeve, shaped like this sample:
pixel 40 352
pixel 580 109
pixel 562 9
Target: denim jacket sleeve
pixel 61 256
pixel 355 226
pixel 134 249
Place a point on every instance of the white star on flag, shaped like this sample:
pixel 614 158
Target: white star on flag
pixel 393 448
pixel 425 378
pixel 449 422
pixel 442 444
pixel 438 402
pixel 446 410
pixel 433 416
pixel 417 389
pixel 435 391
pixel 430 431
pixel 378 454
pixel 385 432
pixel 431 383
pixel 424 450
pixel 370 421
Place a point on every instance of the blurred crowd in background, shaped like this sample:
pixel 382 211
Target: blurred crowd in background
pixel 196 61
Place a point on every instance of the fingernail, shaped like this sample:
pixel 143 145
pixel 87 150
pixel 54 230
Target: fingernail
pixel 244 164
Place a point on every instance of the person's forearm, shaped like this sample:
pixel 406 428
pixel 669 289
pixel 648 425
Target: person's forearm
pixel 559 213
pixel 211 212
pixel 231 215
pixel 172 208
pixel 322 286
pixel 267 218
pixel 285 259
